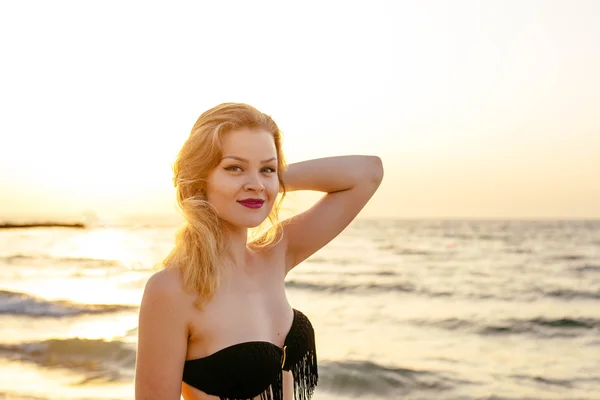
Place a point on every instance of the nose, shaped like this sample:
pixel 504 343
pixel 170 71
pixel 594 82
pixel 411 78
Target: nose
pixel 254 184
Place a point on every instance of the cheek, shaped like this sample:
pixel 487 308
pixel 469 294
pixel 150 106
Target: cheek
pixel 273 187
pixel 224 190
pixel 224 184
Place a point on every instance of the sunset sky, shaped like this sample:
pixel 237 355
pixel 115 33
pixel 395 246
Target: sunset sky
pixel 477 109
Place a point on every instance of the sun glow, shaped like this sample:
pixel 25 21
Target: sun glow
pixel 450 99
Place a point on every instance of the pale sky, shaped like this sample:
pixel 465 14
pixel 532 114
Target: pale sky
pixel 478 109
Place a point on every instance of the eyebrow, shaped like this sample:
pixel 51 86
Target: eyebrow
pixel 246 161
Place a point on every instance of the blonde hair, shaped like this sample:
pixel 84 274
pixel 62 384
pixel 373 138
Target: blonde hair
pixel 199 243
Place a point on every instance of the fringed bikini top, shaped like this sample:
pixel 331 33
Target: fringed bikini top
pixel 245 370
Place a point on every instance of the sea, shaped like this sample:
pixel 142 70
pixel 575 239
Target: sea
pixel 402 309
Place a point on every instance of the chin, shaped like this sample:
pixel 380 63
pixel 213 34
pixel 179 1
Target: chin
pixel 254 224
pixel 248 223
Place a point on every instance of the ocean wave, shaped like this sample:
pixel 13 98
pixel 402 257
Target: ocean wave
pixel 331 260
pixel 566 383
pixel 43 260
pixel 349 287
pixel 403 251
pixel 22 396
pixel 566 257
pixel 469 291
pixel 587 268
pixel 99 360
pixel 539 327
pixel 519 251
pixel 111 361
pixel 17 303
pixel 543 327
pixel 381 273
pixel 18 396
pixel 570 294
pixel 365 378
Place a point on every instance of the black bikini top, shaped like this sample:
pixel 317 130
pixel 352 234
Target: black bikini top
pixel 245 370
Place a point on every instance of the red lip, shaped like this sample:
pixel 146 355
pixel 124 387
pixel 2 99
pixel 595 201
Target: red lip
pixel 252 203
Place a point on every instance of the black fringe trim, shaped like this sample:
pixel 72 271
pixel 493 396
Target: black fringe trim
pixel 306 376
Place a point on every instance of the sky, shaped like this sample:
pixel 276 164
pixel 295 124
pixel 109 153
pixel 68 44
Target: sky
pixel 477 109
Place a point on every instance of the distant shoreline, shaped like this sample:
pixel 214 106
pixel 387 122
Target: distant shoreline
pixel 77 225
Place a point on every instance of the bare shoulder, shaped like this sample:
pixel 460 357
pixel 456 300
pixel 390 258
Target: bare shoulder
pixel 162 338
pixel 164 297
pixel 165 281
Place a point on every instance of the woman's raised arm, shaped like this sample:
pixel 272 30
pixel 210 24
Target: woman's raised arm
pixel 349 181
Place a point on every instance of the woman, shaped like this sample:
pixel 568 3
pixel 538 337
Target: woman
pixel 215 322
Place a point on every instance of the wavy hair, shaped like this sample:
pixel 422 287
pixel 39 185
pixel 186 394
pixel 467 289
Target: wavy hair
pixel 200 242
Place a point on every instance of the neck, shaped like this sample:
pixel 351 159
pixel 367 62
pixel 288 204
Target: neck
pixel 236 253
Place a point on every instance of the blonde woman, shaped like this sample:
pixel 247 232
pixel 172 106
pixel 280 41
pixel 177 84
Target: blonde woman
pixel 215 322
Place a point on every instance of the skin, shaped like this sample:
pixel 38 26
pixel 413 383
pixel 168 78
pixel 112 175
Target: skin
pixel 248 170
pixel 233 180
pixel 252 303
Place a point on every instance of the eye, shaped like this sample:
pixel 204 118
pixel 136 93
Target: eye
pixel 270 169
pixel 233 168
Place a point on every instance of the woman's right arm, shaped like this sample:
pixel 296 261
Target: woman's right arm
pixel 162 340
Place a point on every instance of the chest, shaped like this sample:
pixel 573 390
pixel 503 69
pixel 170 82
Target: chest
pixel 248 307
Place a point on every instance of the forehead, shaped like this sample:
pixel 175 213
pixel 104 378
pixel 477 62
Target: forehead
pixel 249 143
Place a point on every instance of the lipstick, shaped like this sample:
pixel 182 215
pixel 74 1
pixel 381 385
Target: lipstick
pixel 252 203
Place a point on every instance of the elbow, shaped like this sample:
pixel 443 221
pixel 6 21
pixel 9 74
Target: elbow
pixel 376 170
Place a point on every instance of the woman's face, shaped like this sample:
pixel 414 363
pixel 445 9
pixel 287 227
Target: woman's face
pixel 248 170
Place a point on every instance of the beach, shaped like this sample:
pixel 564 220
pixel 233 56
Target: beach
pixel 411 309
